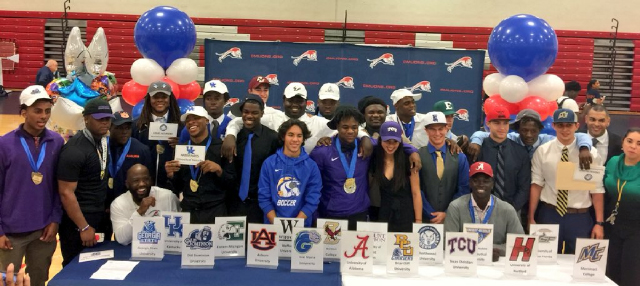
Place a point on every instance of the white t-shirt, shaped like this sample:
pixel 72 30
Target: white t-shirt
pixel 568 103
pixel 124 209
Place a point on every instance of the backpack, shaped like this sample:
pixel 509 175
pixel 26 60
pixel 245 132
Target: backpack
pixel 561 102
pixel 3 92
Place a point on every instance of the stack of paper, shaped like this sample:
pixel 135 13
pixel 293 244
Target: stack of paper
pixel 114 270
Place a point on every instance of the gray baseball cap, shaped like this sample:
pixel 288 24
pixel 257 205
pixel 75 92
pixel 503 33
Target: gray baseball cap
pixel 159 86
pixel 526 113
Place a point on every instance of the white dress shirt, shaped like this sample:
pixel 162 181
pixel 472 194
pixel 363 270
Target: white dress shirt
pixel 124 209
pixel 162 119
pixel 543 173
pixel 420 137
pixel 603 145
pixel 480 213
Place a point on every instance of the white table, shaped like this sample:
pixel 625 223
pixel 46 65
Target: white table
pixel 548 275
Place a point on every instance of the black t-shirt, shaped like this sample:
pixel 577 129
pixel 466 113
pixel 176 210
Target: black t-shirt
pixel 79 162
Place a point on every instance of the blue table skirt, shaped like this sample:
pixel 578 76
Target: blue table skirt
pixel 226 272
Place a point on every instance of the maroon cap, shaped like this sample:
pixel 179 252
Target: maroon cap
pixel 258 80
pixel 481 167
pixel 498 113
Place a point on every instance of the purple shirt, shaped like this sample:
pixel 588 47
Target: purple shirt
pixel 25 206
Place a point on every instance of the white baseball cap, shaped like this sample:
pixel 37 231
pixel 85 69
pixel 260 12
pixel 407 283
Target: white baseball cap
pixel 198 111
pixel 295 89
pixel 215 85
pixel 329 91
pixel 402 93
pixel 435 117
pixel 32 93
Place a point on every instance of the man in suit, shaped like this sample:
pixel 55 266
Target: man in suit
pixel 608 144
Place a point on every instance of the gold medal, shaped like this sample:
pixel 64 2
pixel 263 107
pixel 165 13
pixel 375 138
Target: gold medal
pixel 102 175
pixel 350 186
pixel 194 185
pixel 111 183
pixel 159 149
pixel 36 177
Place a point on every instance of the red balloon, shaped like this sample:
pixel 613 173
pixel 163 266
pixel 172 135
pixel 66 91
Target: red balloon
pixel 133 92
pixel 536 103
pixel 175 88
pixel 497 101
pixel 190 91
pixel 552 107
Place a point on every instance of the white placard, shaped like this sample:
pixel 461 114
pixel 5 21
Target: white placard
pixel 547 242
pixel 402 254
pixel 591 259
pixel 430 246
pixel 356 254
pixel 460 254
pixel 331 230
pixel 285 234
pixel 485 241
pixel 91 256
pixel 263 246
pixel 229 234
pixel 307 251
pixel 198 250
pixel 162 131
pixel 148 238
pixel 593 174
pixel 190 154
pixel 173 223
pixel 521 255
pixel 379 230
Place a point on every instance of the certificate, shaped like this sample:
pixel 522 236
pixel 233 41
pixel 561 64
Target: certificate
pixel 190 155
pixel 162 131
pixel 565 180
pixel 594 174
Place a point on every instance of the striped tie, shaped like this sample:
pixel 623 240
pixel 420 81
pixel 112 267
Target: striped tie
pixel 563 195
pixel 500 172
pixel 439 164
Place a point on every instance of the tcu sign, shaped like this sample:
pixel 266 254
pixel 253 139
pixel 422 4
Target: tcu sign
pixel 462 244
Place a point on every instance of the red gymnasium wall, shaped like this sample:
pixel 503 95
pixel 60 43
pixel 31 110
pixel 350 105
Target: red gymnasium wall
pixel 26 29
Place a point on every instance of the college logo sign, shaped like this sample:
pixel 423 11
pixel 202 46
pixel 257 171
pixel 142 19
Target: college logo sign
pixel 200 239
pixel 149 235
pixel 305 240
pixel 232 230
pixel 429 237
pixel 263 240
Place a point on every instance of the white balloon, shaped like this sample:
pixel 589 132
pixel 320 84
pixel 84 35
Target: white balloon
pixel 146 71
pixel 548 86
pixel 183 71
pixel 513 89
pixel 116 106
pixel 74 53
pixel 97 55
pixel 67 114
pixel 491 84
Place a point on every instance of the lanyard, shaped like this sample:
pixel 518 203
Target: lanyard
pixel 35 166
pixel 619 193
pixel 103 156
pixel 487 216
pixel 408 127
pixel 113 170
pixel 348 168
pixel 195 171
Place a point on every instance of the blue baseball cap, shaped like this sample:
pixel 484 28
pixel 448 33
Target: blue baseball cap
pixel 391 130
pixel 564 115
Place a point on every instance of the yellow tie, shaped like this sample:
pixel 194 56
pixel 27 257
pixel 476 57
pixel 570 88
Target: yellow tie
pixel 563 195
pixel 439 164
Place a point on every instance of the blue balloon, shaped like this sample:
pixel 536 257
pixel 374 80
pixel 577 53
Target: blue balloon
pixel 78 92
pixel 184 104
pixel 165 34
pixel 137 109
pixel 523 45
pixel 548 126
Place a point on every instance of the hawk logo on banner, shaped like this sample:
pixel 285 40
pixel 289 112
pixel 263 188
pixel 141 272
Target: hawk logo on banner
pixel 311 106
pixel 462 114
pixel 232 230
pixel 234 53
pixel 346 82
pixel 200 239
pixel 462 244
pixel 429 237
pixel 310 55
pixel 149 235
pixel 404 251
pixel 305 240
pixel 464 62
pixel 263 240
pixel 231 102
pixel 593 253
pixel 424 85
pixel 333 231
pixel 272 79
pixel 385 59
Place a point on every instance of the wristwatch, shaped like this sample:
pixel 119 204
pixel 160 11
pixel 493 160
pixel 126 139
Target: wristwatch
pixel 600 223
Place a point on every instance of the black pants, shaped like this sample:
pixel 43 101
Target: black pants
pixel 70 242
pixel 249 208
pixel 207 215
pixel 624 254
pixel 354 219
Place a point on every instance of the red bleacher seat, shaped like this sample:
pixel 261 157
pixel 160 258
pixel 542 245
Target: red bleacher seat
pixel 131 53
pixel 288 38
pixel 575 55
pixel 280 31
pixel 21 28
pixel 378 41
pixel 575 48
pixel 470 45
pixel 465 38
pixel 21 36
pixel 111 24
pixel 574 41
pixel 30 50
pixel 572 62
pixel 111 31
pixel 389 35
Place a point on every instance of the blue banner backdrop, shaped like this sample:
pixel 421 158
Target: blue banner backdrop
pixel 455 75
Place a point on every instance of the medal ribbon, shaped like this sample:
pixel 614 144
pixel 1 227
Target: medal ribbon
pixel 487 216
pixel 408 128
pixel 113 170
pixel 349 169
pixel 35 166
pixel 195 171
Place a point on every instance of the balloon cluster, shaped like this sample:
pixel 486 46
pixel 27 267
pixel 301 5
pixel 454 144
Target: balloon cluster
pixel 522 48
pixel 165 36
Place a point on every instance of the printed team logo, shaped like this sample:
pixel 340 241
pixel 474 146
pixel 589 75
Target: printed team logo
pixel 263 240
pixel 404 250
pixel 310 55
pixel 333 232
pixel 462 114
pixel 543 235
pixel 232 230
pixel 288 187
pixel 305 240
pixel 593 253
pixel 231 102
pixel 163 127
pixel 521 247
pixel 200 239
pixel 311 107
pixel 272 79
pixel 149 235
pixel 563 114
pixel 464 62
pixel 346 82
pixel 153 213
pixel 482 232
pixel 424 85
pixel 385 59
pixel 174 228
pixel 361 247
pixel 429 237
pixel 462 244
pixel 190 150
pixel 234 53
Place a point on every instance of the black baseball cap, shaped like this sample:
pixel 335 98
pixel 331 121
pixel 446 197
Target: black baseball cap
pixel 236 109
pixel 121 117
pixel 98 109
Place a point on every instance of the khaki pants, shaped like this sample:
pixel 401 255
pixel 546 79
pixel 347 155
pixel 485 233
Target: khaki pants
pixel 37 255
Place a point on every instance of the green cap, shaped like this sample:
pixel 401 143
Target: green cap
pixel 445 107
